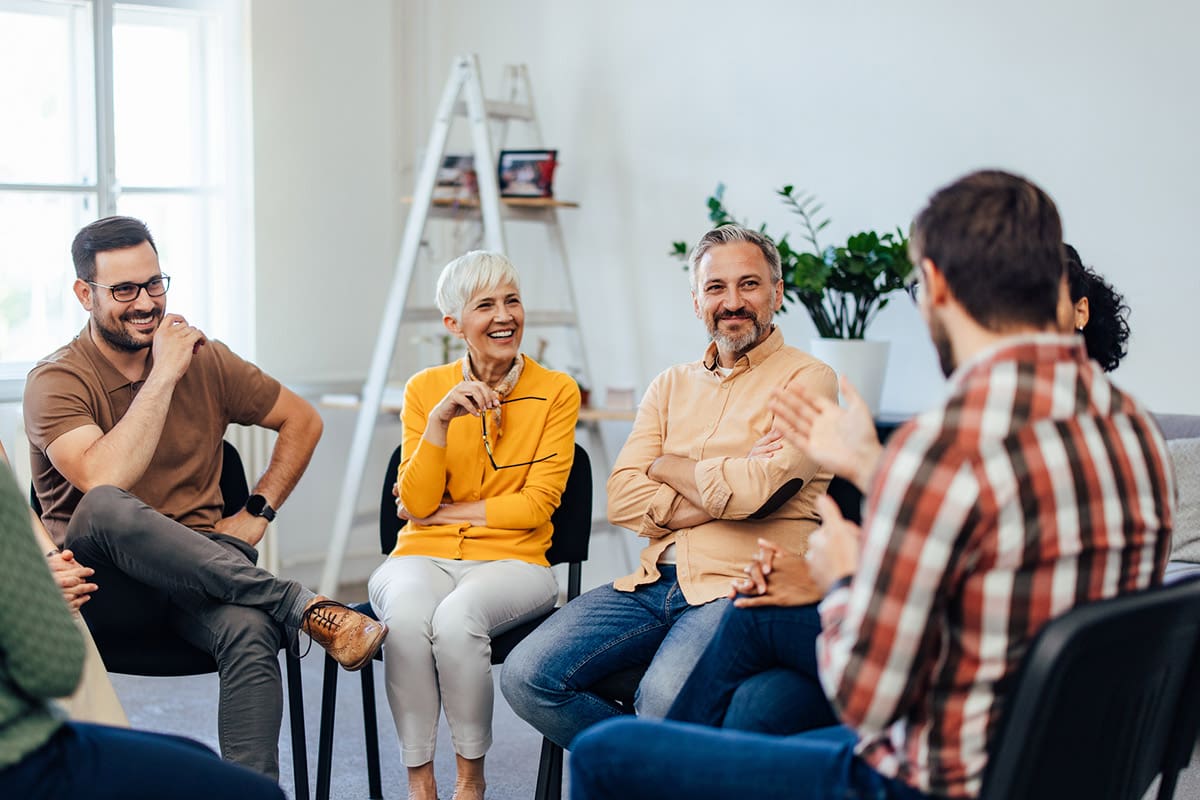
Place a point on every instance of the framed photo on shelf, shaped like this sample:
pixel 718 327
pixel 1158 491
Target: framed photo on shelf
pixel 456 179
pixel 527 173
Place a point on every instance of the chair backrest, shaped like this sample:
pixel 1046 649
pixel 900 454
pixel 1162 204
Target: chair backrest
pixel 1095 709
pixel 234 489
pixel 572 520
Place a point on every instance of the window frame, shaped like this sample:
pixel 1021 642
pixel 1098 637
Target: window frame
pixel 224 268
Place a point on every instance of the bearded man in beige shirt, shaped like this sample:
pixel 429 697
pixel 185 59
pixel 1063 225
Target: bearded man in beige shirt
pixel 703 476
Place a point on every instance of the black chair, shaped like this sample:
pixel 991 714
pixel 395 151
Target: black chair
pixel 161 653
pixel 572 523
pixel 1105 700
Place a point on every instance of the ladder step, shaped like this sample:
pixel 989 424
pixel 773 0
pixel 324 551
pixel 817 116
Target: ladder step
pixel 498 109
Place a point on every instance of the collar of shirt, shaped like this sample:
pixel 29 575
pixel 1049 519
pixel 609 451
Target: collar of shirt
pixel 755 356
pixel 1025 346
pixel 110 375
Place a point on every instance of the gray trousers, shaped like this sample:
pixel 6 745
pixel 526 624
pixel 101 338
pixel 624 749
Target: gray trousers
pixel 155 574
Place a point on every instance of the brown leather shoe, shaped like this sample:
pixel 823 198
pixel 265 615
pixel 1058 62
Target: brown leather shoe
pixel 350 637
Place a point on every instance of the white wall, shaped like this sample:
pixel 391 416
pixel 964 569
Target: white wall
pixel 871 104
pixel 326 180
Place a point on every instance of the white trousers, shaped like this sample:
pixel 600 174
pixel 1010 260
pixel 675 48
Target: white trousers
pixel 442 615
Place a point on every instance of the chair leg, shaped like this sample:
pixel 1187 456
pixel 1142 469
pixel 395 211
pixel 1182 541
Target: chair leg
pixel 1166 785
pixel 325 743
pixel 371 733
pixel 550 769
pixel 296 714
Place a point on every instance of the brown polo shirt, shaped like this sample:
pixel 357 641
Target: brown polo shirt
pixel 77 386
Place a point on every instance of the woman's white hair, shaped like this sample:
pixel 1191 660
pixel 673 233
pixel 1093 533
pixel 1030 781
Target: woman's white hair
pixel 470 274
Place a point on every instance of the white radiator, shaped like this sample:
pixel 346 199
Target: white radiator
pixel 254 445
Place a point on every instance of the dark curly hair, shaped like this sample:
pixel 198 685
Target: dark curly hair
pixel 1107 331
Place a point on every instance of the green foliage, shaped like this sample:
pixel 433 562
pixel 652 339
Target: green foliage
pixel 842 288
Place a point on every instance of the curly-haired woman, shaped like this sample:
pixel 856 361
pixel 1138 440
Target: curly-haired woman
pixel 1099 313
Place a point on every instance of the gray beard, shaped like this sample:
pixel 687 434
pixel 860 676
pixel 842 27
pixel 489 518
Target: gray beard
pixel 740 344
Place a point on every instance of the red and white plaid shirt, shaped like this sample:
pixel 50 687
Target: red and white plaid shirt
pixel 1036 487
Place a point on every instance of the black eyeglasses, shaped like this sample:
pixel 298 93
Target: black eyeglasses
pixel 488 445
pixel 128 292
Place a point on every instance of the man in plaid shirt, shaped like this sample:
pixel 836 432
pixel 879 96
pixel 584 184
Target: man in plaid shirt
pixel 1035 487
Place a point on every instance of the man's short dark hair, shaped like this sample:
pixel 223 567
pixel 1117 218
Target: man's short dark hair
pixel 997 238
pixel 110 233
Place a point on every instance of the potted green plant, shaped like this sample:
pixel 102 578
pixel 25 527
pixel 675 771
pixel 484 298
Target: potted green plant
pixel 841 287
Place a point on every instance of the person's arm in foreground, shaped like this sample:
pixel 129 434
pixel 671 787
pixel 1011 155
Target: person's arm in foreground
pixel 843 440
pixel 885 587
pixel 41 648
pixel 69 574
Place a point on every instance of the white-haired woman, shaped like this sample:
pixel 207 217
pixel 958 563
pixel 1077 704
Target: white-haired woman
pixel 488 444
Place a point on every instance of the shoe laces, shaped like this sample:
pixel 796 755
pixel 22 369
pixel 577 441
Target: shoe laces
pixel 320 615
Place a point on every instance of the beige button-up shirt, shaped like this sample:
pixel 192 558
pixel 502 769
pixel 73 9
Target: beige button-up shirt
pixel 691 410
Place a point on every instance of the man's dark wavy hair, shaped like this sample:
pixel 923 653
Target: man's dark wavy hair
pixel 110 233
pixel 1107 331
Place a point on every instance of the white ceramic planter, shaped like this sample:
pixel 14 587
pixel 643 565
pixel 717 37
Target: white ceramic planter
pixel 864 362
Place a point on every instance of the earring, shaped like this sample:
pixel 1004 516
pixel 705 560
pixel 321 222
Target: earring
pixel 1079 330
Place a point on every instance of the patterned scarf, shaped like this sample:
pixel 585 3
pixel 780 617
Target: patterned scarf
pixel 503 388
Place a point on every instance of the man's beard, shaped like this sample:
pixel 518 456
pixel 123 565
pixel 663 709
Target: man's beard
pixel 941 343
pixel 746 341
pixel 119 338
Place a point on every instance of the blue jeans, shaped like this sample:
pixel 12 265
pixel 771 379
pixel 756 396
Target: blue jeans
pixel 547 677
pixel 633 759
pixel 102 763
pixel 759 674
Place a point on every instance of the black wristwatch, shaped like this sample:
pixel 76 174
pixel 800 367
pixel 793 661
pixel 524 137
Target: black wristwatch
pixel 258 506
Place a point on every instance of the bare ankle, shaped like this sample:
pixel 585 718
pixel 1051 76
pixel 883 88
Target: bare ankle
pixel 469 784
pixel 422 785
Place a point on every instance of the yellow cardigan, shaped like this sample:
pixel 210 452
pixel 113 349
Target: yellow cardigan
pixel 518 501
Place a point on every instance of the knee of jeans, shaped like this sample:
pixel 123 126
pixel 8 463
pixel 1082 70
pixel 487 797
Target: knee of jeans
pixel 521 669
pixel 591 749
pixel 656 692
pixel 102 508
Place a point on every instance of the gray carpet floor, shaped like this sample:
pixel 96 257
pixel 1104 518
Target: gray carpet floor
pixel 188 706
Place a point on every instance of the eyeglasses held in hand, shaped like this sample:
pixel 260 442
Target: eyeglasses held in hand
pixel 483 415
pixel 912 287
pixel 128 292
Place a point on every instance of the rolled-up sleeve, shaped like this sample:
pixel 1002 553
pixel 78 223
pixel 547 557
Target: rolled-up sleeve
pixel 738 487
pixel 635 500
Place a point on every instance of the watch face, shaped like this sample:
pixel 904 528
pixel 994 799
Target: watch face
pixel 257 505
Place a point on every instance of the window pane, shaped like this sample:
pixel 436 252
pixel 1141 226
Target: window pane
pixel 179 225
pixel 159 96
pixel 46 61
pixel 38 309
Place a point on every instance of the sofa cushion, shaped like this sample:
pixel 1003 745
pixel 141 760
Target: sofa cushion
pixel 1185 545
pixel 1179 426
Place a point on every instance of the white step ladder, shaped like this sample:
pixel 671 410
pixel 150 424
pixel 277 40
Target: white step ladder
pixel 462 96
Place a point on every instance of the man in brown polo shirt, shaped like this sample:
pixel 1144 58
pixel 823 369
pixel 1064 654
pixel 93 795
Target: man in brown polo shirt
pixel 125 425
